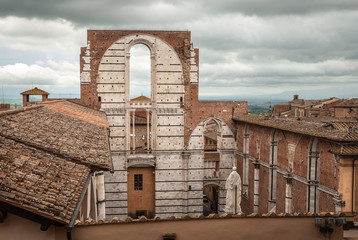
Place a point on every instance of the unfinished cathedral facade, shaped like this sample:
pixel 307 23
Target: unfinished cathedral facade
pixel 171 153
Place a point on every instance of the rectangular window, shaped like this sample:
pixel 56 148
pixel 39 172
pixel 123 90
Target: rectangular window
pixel 138 181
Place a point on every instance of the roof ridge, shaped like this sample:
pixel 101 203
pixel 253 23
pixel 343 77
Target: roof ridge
pixel 79 118
pixel 49 101
pixel 57 153
pixel 18 110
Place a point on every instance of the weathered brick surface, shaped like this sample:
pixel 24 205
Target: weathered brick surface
pixel 292 157
pixel 299 200
pixel 4 107
pixel 197 111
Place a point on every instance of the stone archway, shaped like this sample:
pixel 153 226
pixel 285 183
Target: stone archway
pixel 211 198
pixel 225 156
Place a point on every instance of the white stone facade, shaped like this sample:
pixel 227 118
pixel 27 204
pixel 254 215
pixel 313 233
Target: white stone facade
pixel 180 172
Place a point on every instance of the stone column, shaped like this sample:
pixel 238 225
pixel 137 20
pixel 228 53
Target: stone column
pixel 93 199
pixel 288 199
pixel 89 193
pixel 133 131
pixel 128 130
pixel 148 143
pixel 256 185
pixel 101 198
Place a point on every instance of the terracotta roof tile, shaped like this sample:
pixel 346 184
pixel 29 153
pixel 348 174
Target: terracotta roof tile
pixel 306 127
pixel 35 91
pixel 200 217
pixel 353 102
pixel 77 111
pixel 141 99
pixel 345 125
pixel 350 149
pixel 39 181
pixel 60 134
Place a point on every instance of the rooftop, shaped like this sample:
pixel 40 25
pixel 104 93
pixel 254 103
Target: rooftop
pixel 141 99
pixel 47 153
pixel 186 217
pixel 353 102
pixel 40 182
pixel 61 133
pixel 35 91
pixel 77 111
pixel 308 126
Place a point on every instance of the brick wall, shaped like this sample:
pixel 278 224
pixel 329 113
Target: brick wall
pixel 197 111
pixel 292 156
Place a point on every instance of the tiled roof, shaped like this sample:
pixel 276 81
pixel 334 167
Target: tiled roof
pixel 40 182
pixel 61 134
pixel 35 91
pixel 47 154
pixel 345 125
pixel 353 102
pixel 141 99
pixel 311 128
pixel 350 149
pixel 77 111
pixel 186 217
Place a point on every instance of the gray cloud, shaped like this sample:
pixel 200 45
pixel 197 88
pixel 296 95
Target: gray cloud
pixel 106 12
pixel 245 46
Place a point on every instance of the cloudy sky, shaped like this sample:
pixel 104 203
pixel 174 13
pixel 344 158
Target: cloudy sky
pixel 248 48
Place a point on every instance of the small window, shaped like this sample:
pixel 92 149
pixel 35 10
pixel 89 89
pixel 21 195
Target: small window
pixel 99 99
pixel 138 181
pixel 140 213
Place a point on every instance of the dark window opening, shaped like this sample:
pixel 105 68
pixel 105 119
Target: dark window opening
pixel 99 99
pixel 138 181
pixel 140 213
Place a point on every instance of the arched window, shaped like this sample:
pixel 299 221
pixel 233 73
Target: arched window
pixel 273 172
pixel 140 71
pixel 211 149
pixel 312 177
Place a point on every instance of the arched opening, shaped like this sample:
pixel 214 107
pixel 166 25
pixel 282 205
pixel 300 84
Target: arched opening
pixel 210 199
pixel 211 153
pixel 140 129
pixel 140 71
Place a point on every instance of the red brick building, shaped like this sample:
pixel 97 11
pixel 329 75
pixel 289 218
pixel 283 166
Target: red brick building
pixel 297 165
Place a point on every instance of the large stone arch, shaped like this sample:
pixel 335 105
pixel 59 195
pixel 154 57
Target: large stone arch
pixel 226 153
pixel 196 137
pixel 113 72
